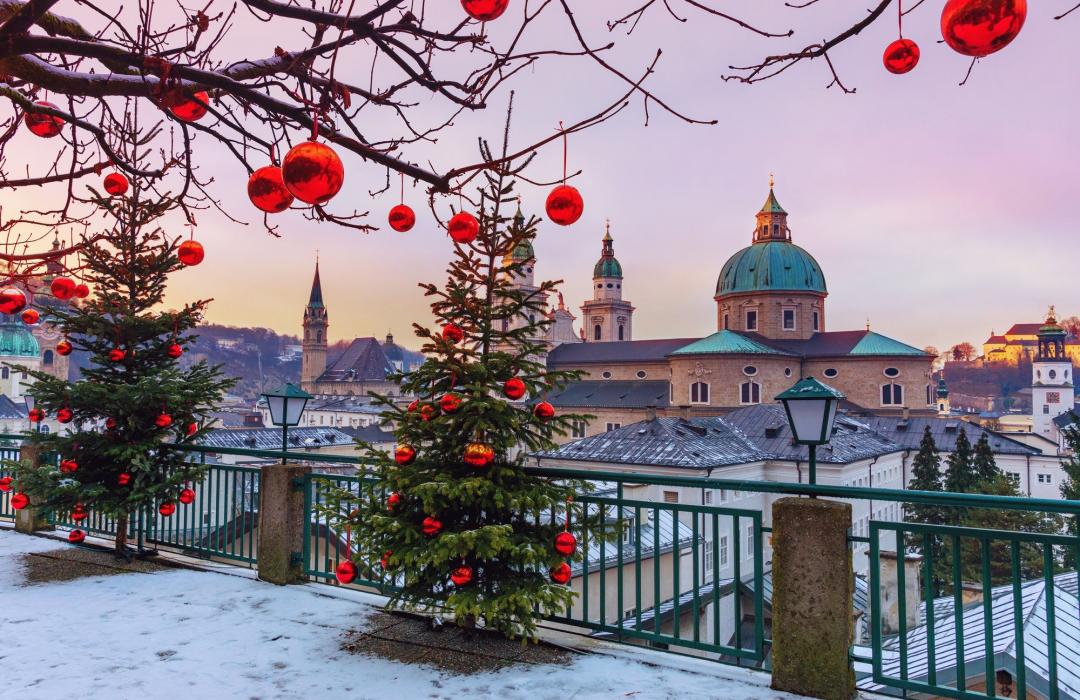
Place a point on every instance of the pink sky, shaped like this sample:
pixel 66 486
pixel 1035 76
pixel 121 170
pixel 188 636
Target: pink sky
pixel 940 212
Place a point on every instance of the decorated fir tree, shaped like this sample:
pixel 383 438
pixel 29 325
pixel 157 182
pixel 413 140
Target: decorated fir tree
pixel 135 396
pixel 460 524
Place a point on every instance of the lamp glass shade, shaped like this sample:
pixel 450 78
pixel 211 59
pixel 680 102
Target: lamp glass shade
pixel 30 401
pixel 286 404
pixel 811 410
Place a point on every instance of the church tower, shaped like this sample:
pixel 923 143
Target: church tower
pixel 1052 380
pixel 316 322
pixel 607 317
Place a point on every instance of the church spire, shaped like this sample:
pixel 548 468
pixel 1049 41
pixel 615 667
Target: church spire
pixel 316 300
pixel 771 219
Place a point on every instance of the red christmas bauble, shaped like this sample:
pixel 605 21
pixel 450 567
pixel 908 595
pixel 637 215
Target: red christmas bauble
pixel 544 411
pixel 450 403
pixel 19 501
pixel 479 454
pixel 123 478
pixel 188 110
pixel 901 56
pixel 192 428
pixel 981 27
pixel 461 575
pixel 463 228
pixel 413 406
pixel 12 300
pixel 5 483
pixel 63 288
pixel 78 513
pixel 565 543
pixel 393 500
pixel 427 412
pixel 187 496
pixel 110 424
pixel 561 574
pixel 44 125
pixel 30 317
pixel 117 355
pixel 384 560
pixel 313 172
pixel 452 333
pixel 174 351
pixel 191 253
pixel 167 508
pixel 404 455
pixel 564 205
pixel 116 184
pixel 63 348
pixel 431 526
pixel 68 465
pixel 402 218
pixel 82 291
pixel 76 536
pixel 485 10
pixel 345 572
pixel 514 388
pixel 164 420
pixel 267 190
pixel 36 415
pixel 64 415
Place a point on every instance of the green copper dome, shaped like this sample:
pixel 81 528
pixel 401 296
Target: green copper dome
pixel 774 265
pixel 16 340
pixel 523 251
pixel 607 265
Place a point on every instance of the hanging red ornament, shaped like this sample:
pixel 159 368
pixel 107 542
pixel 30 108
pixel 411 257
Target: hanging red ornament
pixel 565 543
pixel 36 415
pixel 266 190
pixel 76 536
pixel 68 465
pixel 174 351
pixel 63 288
pixel 450 403
pixel 19 500
pixel 82 291
pixel 345 572
pixel 64 415
pixel 117 355
pixel 514 388
pixel 78 513
pixel 544 411
pixel 402 218
pixel 981 27
pixel 63 348
pixel 12 300
pixel 192 428
pixel 427 412
pixel 123 478
pixel 110 423
pixel 404 455
pixel 479 454
pixel 413 406
pixel 485 10
pixel 463 228
pixel 393 500
pixel 901 56
pixel 44 125
pixel 313 172
pixel 452 333
pixel 561 574
pixel 187 496
pixel 188 109
pixel 191 253
pixel 5 483
pixel 30 317
pixel 167 508
pixel 461 575
pixel 384 560
pixel 164 420
pixel 116 184
pixel 564 205
pixel 431 526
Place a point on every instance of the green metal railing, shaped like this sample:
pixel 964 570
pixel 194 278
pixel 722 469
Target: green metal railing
pixel 9 451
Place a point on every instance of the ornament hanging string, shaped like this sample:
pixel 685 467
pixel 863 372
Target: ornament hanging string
pixel 402 188
pixel 900 18
pixel 564 149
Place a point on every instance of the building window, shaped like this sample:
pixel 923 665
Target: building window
pixel 641 374
pixel 596 332
pixel 707 497
pixel 708 560
pixel 621 332
pixel 605 374
pixel 891 372
pixel 892 395
pixel 613 426
pixel 1045 479
pixel 671 496
pixel 1046 410
pixel 1053 374
pixel 787 371
pixel 831 372
pixel 5 373
pixel 723 550
pixel 751 320
pixel 749 370
pixel 577 429
pixel 42 428
pixel 47 357
pixel 749 540
pixel 929 396
pixel 789 319
pixel 817 321
pixel 749 392
pixel 699 392
pixel 726 325
pixel 1013 477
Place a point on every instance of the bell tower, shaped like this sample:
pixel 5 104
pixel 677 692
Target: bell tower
pixel 316 322
pixel 607 316
pixel 1052 378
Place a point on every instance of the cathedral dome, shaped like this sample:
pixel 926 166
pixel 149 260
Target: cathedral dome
pixel 17 341
pixel 771 265
pixel 523 251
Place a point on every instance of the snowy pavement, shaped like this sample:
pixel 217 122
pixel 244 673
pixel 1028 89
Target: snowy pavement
pixel 180 633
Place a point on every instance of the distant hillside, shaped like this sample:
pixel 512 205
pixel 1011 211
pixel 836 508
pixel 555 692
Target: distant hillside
pixel 260 358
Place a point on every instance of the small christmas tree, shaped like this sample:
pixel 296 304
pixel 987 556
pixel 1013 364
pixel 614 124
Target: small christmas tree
pixel 134 396
pixel 461 524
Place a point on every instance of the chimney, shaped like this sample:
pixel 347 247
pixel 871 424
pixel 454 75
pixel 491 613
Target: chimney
pixel 971 592
pixel 906 413
pixel 684 412
pixel 890 596
pixel 650 412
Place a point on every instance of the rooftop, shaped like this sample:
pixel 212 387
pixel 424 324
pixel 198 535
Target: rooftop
pixel 908 433
pixel 617 351
pixel 611 394
pixel 270 438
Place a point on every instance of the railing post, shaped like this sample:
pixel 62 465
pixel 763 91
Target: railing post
pixel 813 584
pixel 281 524
pixel 31 518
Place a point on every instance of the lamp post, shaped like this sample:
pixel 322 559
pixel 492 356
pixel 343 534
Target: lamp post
pixel 811 413
pixel 286 406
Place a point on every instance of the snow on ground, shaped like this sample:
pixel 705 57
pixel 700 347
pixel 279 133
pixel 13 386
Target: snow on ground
pixel 181 633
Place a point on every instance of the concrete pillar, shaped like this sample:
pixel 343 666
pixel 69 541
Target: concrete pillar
pixel 31 519
pixel 813 585
pixel 890 593
pixel 281 524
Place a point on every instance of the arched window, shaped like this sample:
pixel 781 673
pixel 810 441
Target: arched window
pixel 749 392
pixel 47 358
pixel 929 396
pixel 892 395
pixel 699 392
pixel 596 332
pixel 42 428
pixel 5 373
pixel 817 321
pixel 621 332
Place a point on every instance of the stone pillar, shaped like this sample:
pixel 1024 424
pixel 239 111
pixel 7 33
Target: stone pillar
pixel 31 518
pixel 813 584
pixel 281 524
pixel 890 593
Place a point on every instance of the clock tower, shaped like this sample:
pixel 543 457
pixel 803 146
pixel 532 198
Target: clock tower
pixel 1052 379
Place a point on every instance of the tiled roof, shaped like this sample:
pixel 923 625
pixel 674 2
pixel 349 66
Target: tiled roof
pixel 728 342
pixel 616 351
pixel 1063 421
pixel 996 339
pixel 908 433
pixel 1024 329
pixel 270 438
pixel 842 344
pixel 611 394
pixel 11 409
pixel 364 360
pixel 369 433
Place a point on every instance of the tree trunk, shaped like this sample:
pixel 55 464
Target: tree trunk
pixel 121 535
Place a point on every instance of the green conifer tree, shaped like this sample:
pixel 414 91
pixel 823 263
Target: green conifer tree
pixel 960 472
pixel 983 463
pixel 1070 487
pixel 926 476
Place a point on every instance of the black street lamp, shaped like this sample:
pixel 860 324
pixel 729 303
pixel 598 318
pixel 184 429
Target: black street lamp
pixel 286 405
pixel 811 413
